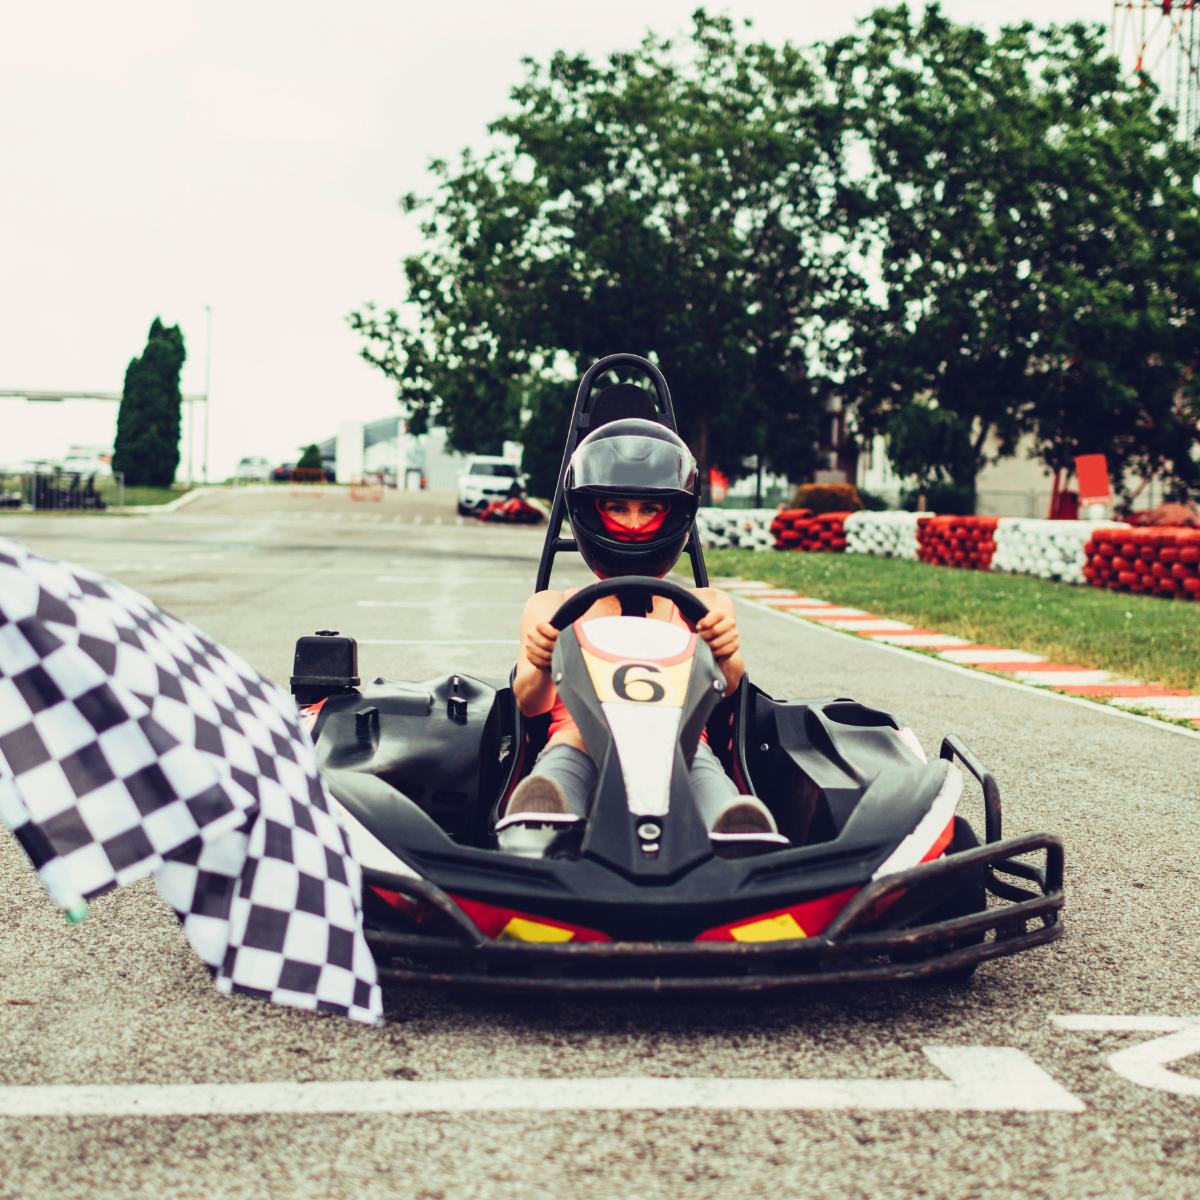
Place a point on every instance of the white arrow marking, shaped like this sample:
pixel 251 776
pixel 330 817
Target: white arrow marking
pixel 980 1079
pixel 1146 1063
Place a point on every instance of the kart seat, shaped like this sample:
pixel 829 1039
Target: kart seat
pixel 618 403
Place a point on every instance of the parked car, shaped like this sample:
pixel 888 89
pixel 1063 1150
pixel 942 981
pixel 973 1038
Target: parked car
pixel 252 469
pixel 286 473
pixel 87 461
pixel 487 478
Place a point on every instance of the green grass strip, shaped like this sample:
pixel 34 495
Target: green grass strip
pixel 1135 637
pixel 145 495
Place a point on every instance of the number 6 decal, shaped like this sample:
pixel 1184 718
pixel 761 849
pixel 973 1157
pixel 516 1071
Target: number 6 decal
pixel 621 683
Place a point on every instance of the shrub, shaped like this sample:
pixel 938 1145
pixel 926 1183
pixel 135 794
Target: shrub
pixel 827 497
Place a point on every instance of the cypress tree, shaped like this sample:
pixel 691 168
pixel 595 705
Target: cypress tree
pixel 146 449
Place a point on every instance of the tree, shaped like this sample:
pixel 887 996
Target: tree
pixel 146 448
pixel 310 460
pixel 1123 287
pixel 680 201
pixel 1033 229
pixel 932 447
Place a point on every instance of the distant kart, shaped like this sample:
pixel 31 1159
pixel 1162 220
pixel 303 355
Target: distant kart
pixel 514 511
pixel 882 879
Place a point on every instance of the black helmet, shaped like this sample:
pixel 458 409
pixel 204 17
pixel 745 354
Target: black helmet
pixel 635 458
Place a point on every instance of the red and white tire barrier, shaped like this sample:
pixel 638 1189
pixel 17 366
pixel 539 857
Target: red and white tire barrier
pixel 967 542
pixel 736 528
pixel 1045 549
pixel 1019 665
pixel 801 529
pixel 891 534
pixel 1163 561
pixel 1157 560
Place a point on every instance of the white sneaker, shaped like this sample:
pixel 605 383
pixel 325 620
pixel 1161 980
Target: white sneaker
pixel 745 825
pixel 536 813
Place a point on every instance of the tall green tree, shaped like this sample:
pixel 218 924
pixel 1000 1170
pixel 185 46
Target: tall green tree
pixel 679 200
pixel 1033 230
pixel 146 448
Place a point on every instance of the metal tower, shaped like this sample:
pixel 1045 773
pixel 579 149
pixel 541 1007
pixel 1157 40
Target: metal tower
pixel 1161 38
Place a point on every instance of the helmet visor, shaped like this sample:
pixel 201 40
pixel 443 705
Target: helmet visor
pixel 634 464
pixel 645 531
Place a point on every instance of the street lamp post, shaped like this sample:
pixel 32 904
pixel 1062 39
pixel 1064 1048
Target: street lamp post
pixel 207 377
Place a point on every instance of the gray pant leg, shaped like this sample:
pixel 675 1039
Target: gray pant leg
pixel 573 771
pixel 712 789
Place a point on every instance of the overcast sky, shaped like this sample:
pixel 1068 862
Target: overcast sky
pixel 160 158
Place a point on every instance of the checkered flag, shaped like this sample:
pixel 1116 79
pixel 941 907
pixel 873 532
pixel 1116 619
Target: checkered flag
pixel 131 744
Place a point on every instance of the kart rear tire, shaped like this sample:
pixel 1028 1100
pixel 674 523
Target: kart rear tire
pixel 969 895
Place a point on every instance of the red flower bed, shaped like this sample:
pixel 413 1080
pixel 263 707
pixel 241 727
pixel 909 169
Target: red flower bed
pixel 1159 560
pixel 967 542
pixel 800 529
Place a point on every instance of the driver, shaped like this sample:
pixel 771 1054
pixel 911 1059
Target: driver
pixel 631 493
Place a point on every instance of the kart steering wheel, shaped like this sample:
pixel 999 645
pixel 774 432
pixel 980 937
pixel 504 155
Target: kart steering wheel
pixel 690 606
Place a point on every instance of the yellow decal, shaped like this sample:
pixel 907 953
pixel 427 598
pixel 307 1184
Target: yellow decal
pixel 638 682
pixel 771 929
pixel 519 929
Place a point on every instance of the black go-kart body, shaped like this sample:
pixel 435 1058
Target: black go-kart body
pixel 881 878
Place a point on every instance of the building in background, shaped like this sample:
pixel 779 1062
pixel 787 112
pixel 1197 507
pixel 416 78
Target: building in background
pixel 384 447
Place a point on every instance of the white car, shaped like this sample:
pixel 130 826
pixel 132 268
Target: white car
pixel 252 470
pixel 80 465
pixel 487 478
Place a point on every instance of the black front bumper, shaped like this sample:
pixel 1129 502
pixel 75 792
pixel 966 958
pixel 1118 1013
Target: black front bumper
pixel 870 940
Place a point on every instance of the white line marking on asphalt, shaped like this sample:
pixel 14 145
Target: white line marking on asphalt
pixel 423 604
pixel 1118 1023
pixel 449 584
pixel 437 641
pixel 979 1079
pixel 1146 1063
pixel 995 680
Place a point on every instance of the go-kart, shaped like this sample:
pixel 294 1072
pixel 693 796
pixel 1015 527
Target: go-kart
pixel 880 877
pixel 516 510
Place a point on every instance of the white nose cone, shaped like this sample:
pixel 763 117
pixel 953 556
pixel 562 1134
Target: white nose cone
pixel 644 738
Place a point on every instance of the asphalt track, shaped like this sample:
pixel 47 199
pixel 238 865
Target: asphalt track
pixel 1064 1072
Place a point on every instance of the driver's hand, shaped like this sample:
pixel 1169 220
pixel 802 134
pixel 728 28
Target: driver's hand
pixel 719 630
pixel 539 644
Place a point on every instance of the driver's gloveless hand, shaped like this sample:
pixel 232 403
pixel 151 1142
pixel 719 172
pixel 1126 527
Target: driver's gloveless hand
pixel 719 630
pixel 539 644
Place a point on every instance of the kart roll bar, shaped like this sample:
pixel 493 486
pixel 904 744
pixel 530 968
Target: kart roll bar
pixel 624 400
